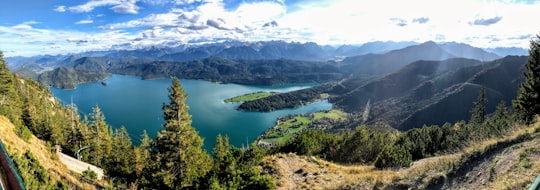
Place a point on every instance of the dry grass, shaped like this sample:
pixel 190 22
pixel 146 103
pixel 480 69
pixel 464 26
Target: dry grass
pixel 39 149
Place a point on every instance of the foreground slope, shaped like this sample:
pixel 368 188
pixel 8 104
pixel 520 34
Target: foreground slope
pixel 510 162
pixel 44 154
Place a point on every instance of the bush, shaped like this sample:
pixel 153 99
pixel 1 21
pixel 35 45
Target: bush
pixel 393 156
pixel 88 173
pixel 23 132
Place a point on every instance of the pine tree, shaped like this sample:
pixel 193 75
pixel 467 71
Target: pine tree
pixel 178 146
pixel 527 103
pixel 101 137
pixel 478 113
pixel 10 104
pixel 121 163
pixel 143 153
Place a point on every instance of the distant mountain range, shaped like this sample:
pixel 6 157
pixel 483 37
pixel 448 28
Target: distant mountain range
pixel 264 50
pixel 400 84
pixel 380 64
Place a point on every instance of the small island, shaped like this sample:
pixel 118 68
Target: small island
pixel 249 97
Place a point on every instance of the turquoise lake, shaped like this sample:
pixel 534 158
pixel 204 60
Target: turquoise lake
pixel 136 104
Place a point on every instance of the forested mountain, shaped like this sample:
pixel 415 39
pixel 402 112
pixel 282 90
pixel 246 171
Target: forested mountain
pixel 423 92
pixel 69 78
pixel 380 64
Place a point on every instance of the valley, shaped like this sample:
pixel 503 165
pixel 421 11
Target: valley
pixel 368 110
pixel 269 95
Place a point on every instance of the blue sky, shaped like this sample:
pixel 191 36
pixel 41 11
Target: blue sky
pixel 34 27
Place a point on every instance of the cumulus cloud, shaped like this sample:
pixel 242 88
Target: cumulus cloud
pixel 399 22
pixel 127 7
pixel 24 25
pixel 209 16
pixel 486 21
pixel 118 6
pixel 421 20
pixel 88 21
pixel 60 8
pixel 216 24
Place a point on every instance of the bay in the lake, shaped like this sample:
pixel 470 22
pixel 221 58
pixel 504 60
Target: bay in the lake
pixel 136 104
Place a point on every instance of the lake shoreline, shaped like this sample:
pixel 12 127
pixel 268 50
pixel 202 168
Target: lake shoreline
pixel 136 103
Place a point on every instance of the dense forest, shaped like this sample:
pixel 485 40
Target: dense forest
pixel 175 159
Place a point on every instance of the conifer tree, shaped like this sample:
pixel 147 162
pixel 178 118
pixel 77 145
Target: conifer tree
pixel 121 162
pixel 143 153
pixel 101 137
pixel 527 103
pixel 179 155
pixel 10 104
pixel 478 113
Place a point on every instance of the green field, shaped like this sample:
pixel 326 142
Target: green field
pixel 285 130
pixel 249 97
pixel 332 114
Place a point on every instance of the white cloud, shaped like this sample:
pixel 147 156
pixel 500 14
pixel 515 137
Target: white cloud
pixel 60 9
pixel 324 22
pixel 118 6
pixel 126 7
pixel 88 21
pixel 24 25
pixel 360 21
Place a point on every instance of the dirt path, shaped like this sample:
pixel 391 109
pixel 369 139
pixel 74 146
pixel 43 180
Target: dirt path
pixel 502 167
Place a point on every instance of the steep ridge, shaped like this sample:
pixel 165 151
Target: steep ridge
pixel 381 64
pixel 501 80
pixel 467 51
pixel 44 155
pixel 436 98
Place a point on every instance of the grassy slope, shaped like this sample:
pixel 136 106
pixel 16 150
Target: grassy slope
pixel 43 154
pixel 249 97
pixel 504 170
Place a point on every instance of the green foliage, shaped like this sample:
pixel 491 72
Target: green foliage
pixel 423 142
pixel 235 168
pixel 88 173
pixel 479 110
pixel 179 159
pixel 393 156
pixel 364 145
pixel 96 134
pixel 23 132
pixel 527 103
pixel 10 104
pixel 121 163
pixel 314 142
pixel 33 174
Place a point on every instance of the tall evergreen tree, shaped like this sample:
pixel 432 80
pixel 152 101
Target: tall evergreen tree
pixel 478 113
pixel 527 103
pixel 121 163
pixel 10 104
pixel 179 155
